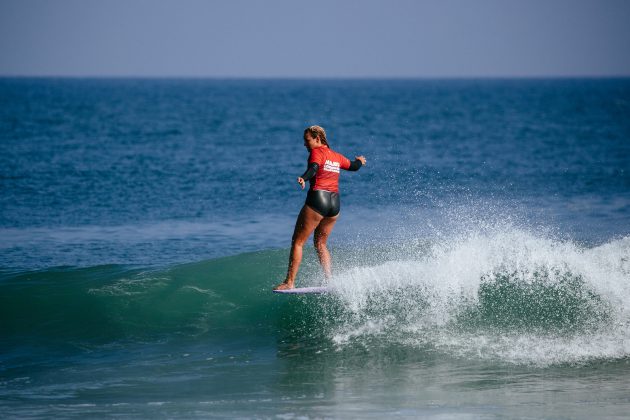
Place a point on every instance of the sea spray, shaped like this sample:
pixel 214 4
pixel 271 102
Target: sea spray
pixel 495 295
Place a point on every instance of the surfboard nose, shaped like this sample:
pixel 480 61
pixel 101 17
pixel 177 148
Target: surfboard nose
pixel 304 290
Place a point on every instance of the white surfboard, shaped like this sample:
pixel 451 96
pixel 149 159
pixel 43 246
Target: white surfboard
pixel 304 290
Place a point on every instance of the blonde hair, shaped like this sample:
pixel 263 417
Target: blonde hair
pixel 317 132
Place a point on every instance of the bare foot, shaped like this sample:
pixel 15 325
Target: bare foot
pixel 284 286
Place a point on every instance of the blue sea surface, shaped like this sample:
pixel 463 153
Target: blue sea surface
pixel 482 256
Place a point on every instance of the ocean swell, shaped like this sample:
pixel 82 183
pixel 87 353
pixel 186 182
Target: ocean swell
pixel 507 295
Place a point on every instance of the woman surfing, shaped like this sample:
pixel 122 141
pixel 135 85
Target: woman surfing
pixel 321 209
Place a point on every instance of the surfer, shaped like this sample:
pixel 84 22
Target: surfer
pixel 321 209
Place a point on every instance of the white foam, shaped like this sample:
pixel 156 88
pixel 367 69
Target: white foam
pixel 416 300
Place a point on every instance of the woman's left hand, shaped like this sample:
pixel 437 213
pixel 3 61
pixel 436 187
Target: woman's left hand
pixel 301 181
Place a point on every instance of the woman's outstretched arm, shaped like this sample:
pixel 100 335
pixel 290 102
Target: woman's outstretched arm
pixel 356 164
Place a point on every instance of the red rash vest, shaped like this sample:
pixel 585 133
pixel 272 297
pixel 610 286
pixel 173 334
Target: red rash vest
pixel 330 162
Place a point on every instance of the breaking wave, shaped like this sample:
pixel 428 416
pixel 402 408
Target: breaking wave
pixel 508 295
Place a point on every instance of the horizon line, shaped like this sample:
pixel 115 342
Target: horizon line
pixel 331 78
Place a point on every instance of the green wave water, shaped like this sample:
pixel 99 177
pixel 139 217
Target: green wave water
pixel 501 285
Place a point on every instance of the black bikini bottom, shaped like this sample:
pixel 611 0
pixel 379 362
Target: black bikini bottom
pixel 323 202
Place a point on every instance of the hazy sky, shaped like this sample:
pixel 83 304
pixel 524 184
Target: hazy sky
pixel 329 38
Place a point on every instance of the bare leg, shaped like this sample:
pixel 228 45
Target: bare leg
pixel 307 221
pixel 322 232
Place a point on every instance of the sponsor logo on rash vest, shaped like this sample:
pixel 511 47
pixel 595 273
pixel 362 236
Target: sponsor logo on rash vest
pixel 331 166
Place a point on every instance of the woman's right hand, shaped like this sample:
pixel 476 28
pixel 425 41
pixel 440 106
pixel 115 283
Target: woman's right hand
pixel 361 158
pixel 301 181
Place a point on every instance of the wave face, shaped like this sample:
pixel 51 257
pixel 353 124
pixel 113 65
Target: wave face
pixel 508 295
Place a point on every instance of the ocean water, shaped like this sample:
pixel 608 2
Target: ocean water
pixel 481 260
